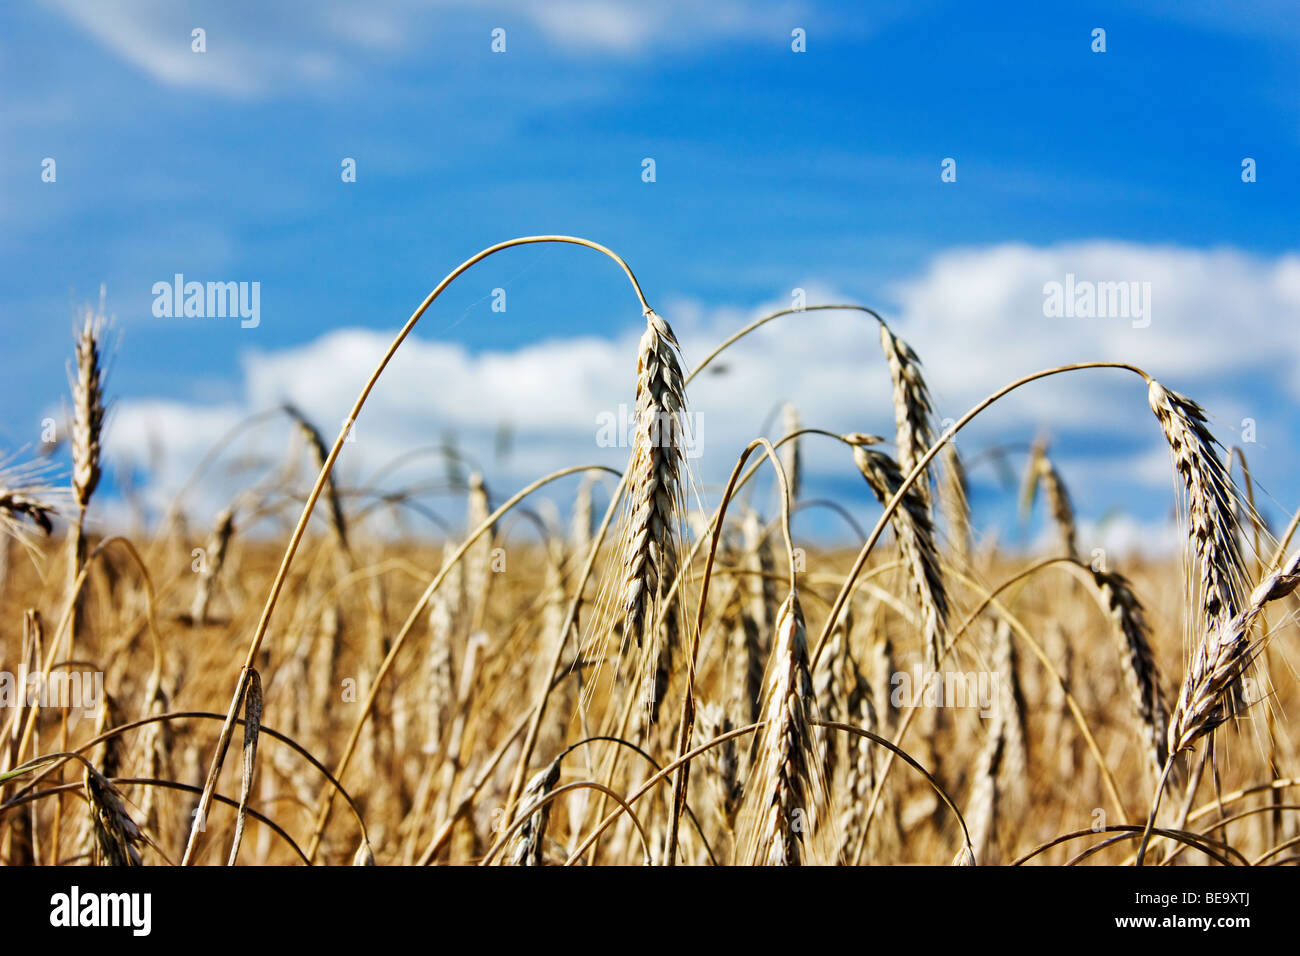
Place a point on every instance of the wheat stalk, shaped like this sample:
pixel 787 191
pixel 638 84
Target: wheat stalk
pixel 87 410
pixel 252 728
pixel 210 569
pixel 785 775
pixel 860 778
pixel 116 834
pixel 649 535
pixel 791 460
pixel 721 761
pixel 831 682
pixel 1219 661
pixel 1043 472
pixel 580 535
pixel 526 845
pixel 1207 697
pixel 1139 660
pixel 320 453
pixel 17 504
pixel 954 498
pixel 439 670
pixel 914 530
pixel 1014 764
pixel 1212 506
pixel 913 411
pixel 478 560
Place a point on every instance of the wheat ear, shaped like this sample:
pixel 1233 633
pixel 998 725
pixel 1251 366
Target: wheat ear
pixel 211 568
pixel 1213 525
pixel 650 536
pixel 785 776
pixel 914 530
pixel 1219 661
pixel 526 844
pixel 116 834
pixel 913 410
pixel 1139 660
pixel 1043 472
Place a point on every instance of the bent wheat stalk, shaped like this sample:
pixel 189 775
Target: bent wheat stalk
pixel 914 531
pixel 277 584
pixel 1205 700
pixel 896 499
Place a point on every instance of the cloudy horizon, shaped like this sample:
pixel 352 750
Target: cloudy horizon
pixel 770 170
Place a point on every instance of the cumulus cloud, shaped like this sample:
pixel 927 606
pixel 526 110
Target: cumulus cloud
pixel 976 317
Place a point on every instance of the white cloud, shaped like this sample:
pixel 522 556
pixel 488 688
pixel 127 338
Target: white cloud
pixel 975 316
pixel 273 44
pixel 1118 538
pixel 1212 314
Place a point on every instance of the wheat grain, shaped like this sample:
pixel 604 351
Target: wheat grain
pixel 1139 661
pixel 526 845
pixel 650 534
pixel 87 410
pixel 915 533
pixel 721 762
pixel 1043 472
pixel 785 777
pixel 116 835
pixel 1218 663
pixel 1212 505
pixel 913 411
pixel 253 704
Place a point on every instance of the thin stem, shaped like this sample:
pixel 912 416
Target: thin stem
pixel 409 624
pixel 1155 808
pixel 919 469
pixel 757 323
pixel 687 723
pixel 223 742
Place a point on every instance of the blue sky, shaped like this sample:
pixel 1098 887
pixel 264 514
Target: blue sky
pixel 774 170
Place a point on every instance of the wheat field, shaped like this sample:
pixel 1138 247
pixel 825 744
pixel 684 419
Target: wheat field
pixel 663 674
